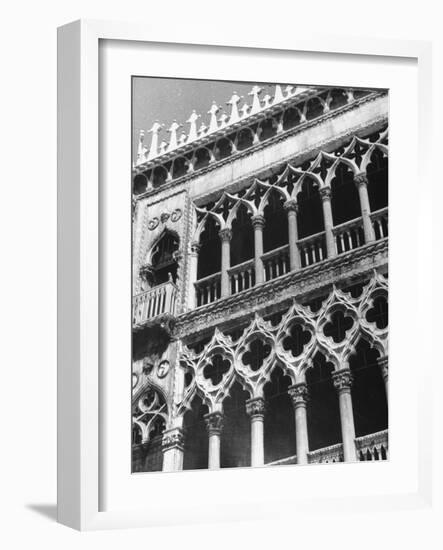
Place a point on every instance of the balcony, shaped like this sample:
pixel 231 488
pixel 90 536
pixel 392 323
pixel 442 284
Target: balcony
pixel 155 303
pixel 369 447
pixel 348 236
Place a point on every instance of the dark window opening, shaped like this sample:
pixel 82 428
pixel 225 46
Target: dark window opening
pixel 378 314
pixel 337 327
pixel 242 242
pixel 140 184
pixel 279 432
pixel 195 454
pixel 216 369
pixel 209 257
pixel 323 408
pixel 258 352
pixel 368 391
pixel 235 445
pixel 310 211
pixel 377 171
pixel 345 200
pixel 297 340
pixel 275 232
pixel 164 265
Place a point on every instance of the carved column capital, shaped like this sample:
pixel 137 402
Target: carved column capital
pixel 214 423
pixel 342 380
pixel 299 394
pixel 291 205
pixel 325 193
pixel 383 362
pixel 256 407
pixel 361 179
pixel 195 247
pixel 225 234
pixel 173 439
pixel 258 221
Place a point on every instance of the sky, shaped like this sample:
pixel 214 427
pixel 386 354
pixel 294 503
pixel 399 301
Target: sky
pixel 169 99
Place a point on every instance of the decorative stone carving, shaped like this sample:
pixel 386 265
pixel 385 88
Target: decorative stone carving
pixel 256 407
pixel 325 193
pixel 299 394
pixel 164 217
pixel 173 439
pixel 176 215
pixel 258 221
pixel 361 179
pixel 291 205
pixel 214 423
pixel 225 234
pixel 342 380
pixel 153 224
pixel 163 368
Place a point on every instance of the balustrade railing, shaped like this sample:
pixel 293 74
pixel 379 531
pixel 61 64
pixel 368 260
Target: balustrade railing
pixel 369 447
pixel 380 223
pixel 156 301
pixel 242 276
pixel 372 446
pixel 349 235
pixel 312 249
pixel 208 289
pixel 326 455
pixel 276 262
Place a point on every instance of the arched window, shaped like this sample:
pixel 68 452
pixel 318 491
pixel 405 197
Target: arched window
pixel 377 172
pixel 163 264
pixel 275 233
pixel 242 242
pixel 310 213
pixel 209 257
pixel 345 199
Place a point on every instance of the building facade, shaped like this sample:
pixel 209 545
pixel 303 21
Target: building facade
pixel 260 284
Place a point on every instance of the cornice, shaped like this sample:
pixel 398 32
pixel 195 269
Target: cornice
pixel 255 148
pixel 295 284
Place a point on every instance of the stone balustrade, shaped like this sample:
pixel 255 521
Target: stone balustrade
pixel 312 249
pixel 242 276
pixel 276 262
pixel 159 300
pixel 380 223
pixel 349 235
pixel 208 289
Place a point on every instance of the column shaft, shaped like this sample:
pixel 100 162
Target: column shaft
pixel 331 249
pixel 214 425
pixel 294 254
pixel 299 395
pixel 256 410
pixel 361 181
pixel 342 381
pixel 193 267
pixel 258 222
pixel 172 446
pixel 225 236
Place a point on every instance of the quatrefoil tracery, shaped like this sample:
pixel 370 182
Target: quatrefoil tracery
pixel 290 344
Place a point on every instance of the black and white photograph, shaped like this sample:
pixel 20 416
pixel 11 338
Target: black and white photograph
pixel 260 274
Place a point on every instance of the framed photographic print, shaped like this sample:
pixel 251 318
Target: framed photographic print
pixel 229 215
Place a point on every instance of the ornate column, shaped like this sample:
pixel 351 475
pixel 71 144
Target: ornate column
pixel 258 222
pixel 294 255
pixel 383 362
pixel 193 266
pixel 361 181
pixel 325 194
pixel 342 381
pixel 225 237
pixel 255 408
pixel 172 447
pixel 299 396
pixel 214 425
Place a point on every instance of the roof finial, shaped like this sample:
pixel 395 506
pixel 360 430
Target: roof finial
pixel 267 101
pixel 223 120
pixel 173 131
pixel 193 128
pixel 141 151
pixel 163 146
pixel 278 96
pixel 182 139
pixel 153 150
pixel 244 110
pixel 255 92
pixel 233 102
pixel 213 125
pixel 289 90
pixel 202 130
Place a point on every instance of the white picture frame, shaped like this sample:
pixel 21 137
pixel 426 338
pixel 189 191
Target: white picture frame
pixel 80 391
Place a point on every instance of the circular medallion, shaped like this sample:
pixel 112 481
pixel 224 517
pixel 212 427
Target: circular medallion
pixel 163 369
